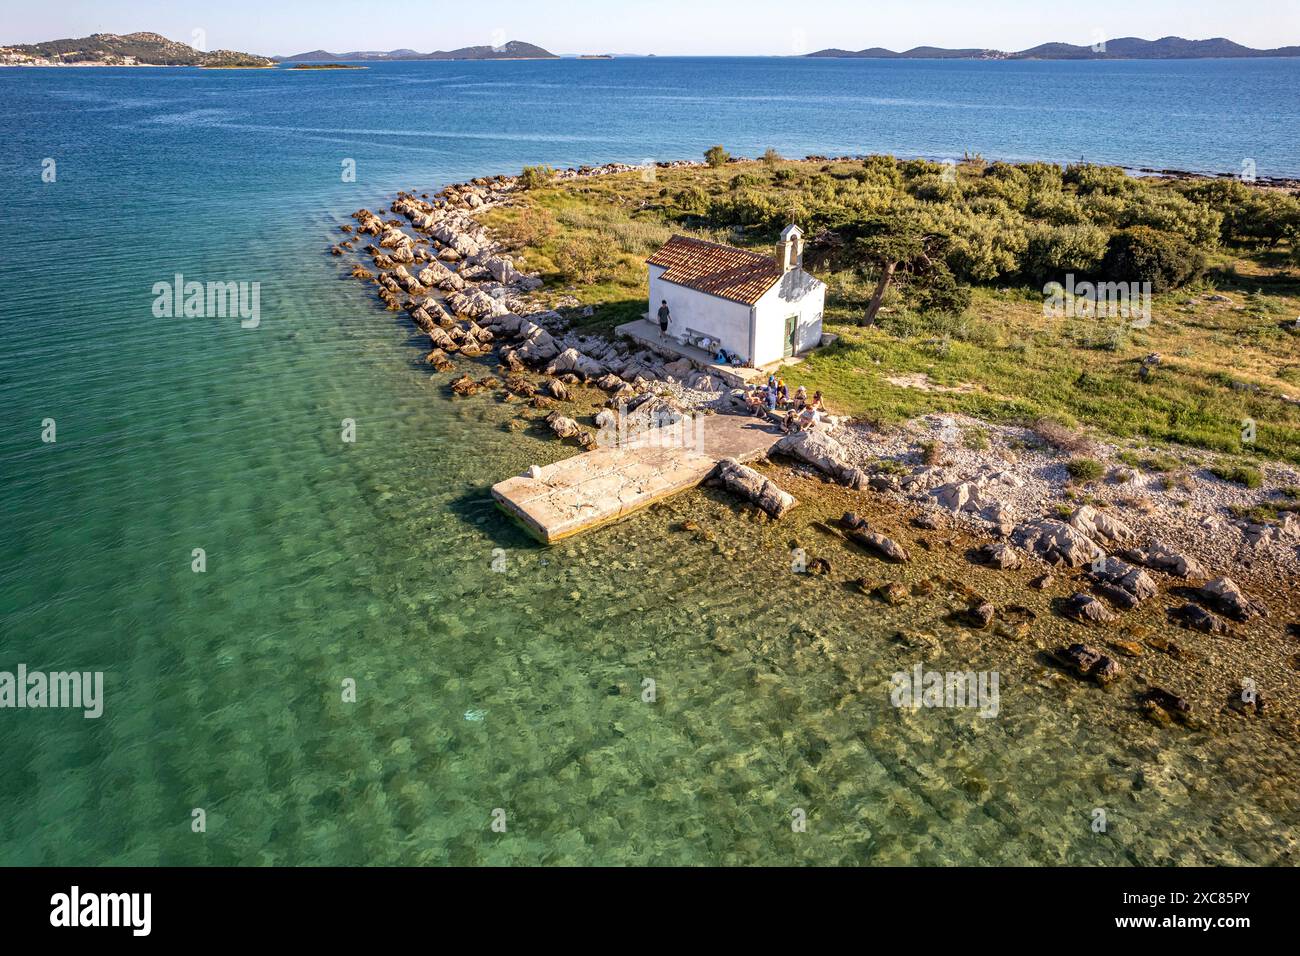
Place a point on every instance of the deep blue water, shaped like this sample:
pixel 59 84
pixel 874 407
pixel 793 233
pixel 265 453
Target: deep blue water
pixel 372 561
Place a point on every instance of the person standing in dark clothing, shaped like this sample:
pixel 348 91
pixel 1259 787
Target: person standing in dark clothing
pixel 664 317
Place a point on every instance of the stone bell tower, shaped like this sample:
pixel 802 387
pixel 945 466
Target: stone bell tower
pixel 789 251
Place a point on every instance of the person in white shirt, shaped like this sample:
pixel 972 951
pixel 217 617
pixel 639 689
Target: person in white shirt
pixel 810 417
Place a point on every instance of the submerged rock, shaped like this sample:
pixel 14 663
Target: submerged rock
pixel 1088 662
pixel 1086 609
pixel 878 544
pixel 852 521
pixel 1166 700
pixel 1000 556
pixel 1224 595
pixel 892 593
pixel 439 360
pixel 981 615
pixel 1247 704
pixel 1197 618
pixel 465 385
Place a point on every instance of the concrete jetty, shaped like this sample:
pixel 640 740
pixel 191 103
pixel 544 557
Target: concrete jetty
pixel 601 486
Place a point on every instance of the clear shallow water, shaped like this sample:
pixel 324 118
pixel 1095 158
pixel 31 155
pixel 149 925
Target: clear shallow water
pixel 372 561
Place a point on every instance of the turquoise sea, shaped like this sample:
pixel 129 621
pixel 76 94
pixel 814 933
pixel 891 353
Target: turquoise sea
pixel 373 561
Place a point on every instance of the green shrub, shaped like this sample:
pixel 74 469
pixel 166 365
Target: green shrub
pixel 941 293
pixel 980 248
pixel 888 466
pixel 534 177
pixel 747 180
pixel 882 170
pixel 1142 254
pixel 1052 252
pixel 915 168
pixel 1159 463
pixel 1056 208
pixel 1249 216
pixel 693 200
pixel 533 226
pixel 1042 176
pixel 586 260
pixel 716 156
pixel 1239 474
pixel 1085 469
pixel 1088 178
pixel 748 207
pixel 1170 212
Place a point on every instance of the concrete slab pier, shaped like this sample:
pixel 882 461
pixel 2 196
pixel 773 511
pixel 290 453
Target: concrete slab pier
pixel 600 486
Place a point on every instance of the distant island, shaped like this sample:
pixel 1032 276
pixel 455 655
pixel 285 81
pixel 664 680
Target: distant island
pixel 133 49
pixel 1125 48
pixel 514 50
pixel 326 66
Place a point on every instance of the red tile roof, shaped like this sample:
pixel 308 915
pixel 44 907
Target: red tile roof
pixel 719 270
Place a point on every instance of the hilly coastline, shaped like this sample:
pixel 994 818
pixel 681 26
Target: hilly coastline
pixel 132 49
pixel 1125 48
pixel 514 50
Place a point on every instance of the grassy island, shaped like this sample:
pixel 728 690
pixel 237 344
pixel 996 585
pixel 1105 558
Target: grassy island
pixel 937 276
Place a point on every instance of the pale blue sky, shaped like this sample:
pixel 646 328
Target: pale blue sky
pixel 666 27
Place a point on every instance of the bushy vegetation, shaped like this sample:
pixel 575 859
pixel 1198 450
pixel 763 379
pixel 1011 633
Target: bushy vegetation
pixel 970 248
pixel 1158 462
pixel 983 223
pixel 1143 254
pixel 716 156
pixel 1085 469
pixel 1240 474
pixel 1254 217
pixel 533 226
pixel 534 177
pixel 585 259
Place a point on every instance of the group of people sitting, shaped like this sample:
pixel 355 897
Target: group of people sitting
pixel 801 412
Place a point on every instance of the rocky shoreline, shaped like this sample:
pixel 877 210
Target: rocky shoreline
pixel 1220 559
